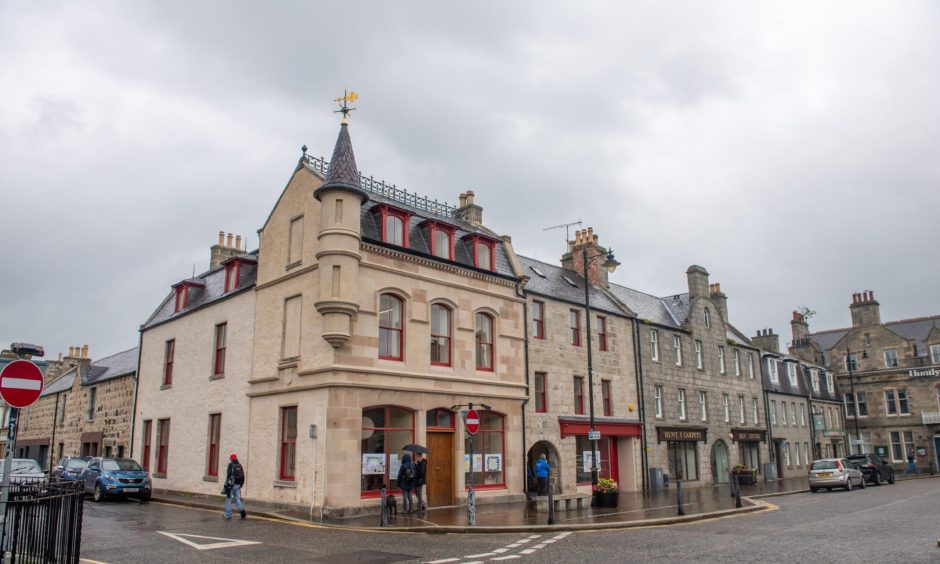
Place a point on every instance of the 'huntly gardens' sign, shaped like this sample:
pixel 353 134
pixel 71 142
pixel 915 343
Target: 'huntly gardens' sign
pixel 923 373
pixel 680 433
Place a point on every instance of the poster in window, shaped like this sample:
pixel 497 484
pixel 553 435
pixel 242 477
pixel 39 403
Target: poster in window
pixel 494 462
pixel 588 460
pixel 394 463
pixel 477 462
pixel 373 463
pixel 466 463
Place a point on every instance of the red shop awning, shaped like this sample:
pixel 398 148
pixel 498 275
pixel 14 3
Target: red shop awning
pixel 606 427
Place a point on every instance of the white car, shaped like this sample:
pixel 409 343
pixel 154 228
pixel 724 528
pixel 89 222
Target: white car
pixel 24 471
pixel 834 473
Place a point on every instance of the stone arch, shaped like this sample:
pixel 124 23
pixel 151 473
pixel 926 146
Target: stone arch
pixel 554 460
pixel 720 460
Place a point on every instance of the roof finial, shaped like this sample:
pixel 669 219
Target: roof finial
pixel 344 108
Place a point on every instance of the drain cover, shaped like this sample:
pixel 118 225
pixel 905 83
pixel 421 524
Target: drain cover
pixel 366 556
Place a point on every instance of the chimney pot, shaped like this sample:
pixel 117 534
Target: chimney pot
pixel 238 242
pixel 463 199
pixel 221 238
pixel 84 351
pixel 469 197
pixel 229 240
pixel 590 234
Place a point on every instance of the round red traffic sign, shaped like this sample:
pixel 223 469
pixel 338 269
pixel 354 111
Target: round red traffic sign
pixel 20 383
pixel 472 421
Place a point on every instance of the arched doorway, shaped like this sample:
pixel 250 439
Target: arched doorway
pixel 720 462
pixel 551 453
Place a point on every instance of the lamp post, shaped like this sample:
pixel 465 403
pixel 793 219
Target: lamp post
pixel 610 264
pixel 849 355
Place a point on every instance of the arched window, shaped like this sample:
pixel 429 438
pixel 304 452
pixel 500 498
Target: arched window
pixel 391 332
pixel 394 230
pixel 488 460
pixel 440 334
pixel 484 337
pixel 386 429
pixel 708 318
pixel 440 418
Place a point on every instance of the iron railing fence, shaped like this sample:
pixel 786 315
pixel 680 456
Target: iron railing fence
pixel 44 522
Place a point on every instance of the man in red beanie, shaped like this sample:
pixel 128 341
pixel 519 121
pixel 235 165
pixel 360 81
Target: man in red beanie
pixel 234 480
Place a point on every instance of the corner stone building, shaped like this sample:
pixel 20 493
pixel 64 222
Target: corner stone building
pixel 367 320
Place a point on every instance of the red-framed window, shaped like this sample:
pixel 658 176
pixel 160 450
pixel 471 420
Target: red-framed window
pixel 538 319
pixel 489 446
pixel 182 293
pixel 145 456
pixel 212 450
pixel 483 251
pixel 391 327
pixel 385 430
pixel 541 396
pixel 393 223
pixel 169 352
pixel 484 339
pixel 605 396
pixel 288 440
pixel 440 418
pixel 441 316
pixel 232 272
pixel 163 445
pixel 607 459
pixel 574 324
pixel 579 395
pixel 218 366
pixel 601 333
pixel 441 238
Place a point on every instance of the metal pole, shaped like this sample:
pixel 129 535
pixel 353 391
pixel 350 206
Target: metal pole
pixel 737 490
pixel 471 494
pixel 590 360
pixel 7 467
pixel 551 499
pixel 681 511
pixel 858 437
pixel 383 519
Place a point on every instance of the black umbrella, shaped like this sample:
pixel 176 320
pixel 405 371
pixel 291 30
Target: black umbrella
pixel 417 449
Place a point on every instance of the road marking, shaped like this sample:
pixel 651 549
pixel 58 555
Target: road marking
pixel 90 561
pixel 527 551
pixel 483 555
pixel 510 557
pixel 442 561
pixel 500 550
pixel 225 543
pixel 533 536
pixel 540 545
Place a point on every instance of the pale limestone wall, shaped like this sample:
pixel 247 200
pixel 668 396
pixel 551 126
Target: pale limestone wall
pixel 837 444
pixel 193 395
pixel 794 433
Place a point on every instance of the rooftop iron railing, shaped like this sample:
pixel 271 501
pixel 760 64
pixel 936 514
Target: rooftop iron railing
pixel 390 191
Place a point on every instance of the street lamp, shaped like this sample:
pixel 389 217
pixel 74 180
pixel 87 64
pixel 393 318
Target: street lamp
pixel 850 355
pixel 611 264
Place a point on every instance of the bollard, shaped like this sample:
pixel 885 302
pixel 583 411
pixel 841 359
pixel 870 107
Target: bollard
pixel 737 491
pixel 551 500
pixel 383 520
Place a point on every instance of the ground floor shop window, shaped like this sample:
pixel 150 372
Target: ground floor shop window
pixel 583 458
pixel 750 454
pixel 683 460
pixel 385 430
pixel 488 461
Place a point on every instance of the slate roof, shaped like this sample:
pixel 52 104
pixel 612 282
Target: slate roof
pixel 62 384
pixel 646 306
pixel 783 385
pixel 916 330
pixel 553 285
pixel 108 368
pixel 343 172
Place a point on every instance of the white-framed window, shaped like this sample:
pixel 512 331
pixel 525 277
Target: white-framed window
pixel 793 413
pixel 938 397
pixel 773 412
pixel 891 358
pixel 708 318
pixel 862 404
pixel 786 454
pixel 682 405
pixel 772 370
pixel 677 346
pixel 658 401
pixel 814 376
pixel 725 407
pixel 741 415
pixel 736 359
pixel 802 415
pixel 791 374
pixel 851 363
pixel 654 344
pixel 935 354
pixel 721 359
pixel 796 454
pixel 896 402
pixel 865 447
pixel 901 443
pixel 703 405
pixel 829 418
pixel 698 354
pixel 783 413
pixel 806 453
pixel 750 365
pixel 830 384
pixel 755 412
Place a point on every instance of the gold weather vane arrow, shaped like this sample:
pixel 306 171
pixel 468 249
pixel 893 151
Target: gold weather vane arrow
pixel 348 96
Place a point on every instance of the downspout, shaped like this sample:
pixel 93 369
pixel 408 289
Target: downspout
pixel 55 418
pixel 812 419
pixel 140 350
pixel 525 333
pixel 641 397
pixel 770 434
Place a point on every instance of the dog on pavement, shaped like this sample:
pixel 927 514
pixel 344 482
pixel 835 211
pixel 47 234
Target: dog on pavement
pixel 391 505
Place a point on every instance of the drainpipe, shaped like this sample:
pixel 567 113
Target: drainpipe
pixel 641 401
pixel 55 418
pixel 525 333
pixel 812 419
pixel 140 350
pixel 770 434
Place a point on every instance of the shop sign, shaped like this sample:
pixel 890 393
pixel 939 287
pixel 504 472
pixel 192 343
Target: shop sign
pixel 680 434
pixel 740 435
pixel 819 421
pixel 831 434
pixel 923 373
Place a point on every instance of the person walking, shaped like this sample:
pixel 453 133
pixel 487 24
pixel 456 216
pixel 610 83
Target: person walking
pixel 912 463
pixel 406 481
pixel 234 480
pixel 541 474
pixel 421 479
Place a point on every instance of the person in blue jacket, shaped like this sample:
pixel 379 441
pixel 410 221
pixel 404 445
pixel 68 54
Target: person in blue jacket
pixel 541 474
pixel 406 481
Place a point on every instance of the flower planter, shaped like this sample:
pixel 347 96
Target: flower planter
pixel 748 479
pixel 602 499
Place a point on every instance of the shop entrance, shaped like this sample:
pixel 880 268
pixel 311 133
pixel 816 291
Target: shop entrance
pixel 440 487
pixel 720 465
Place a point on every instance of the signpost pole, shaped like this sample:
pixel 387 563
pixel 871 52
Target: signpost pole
pixel 7 467
pixel 471 494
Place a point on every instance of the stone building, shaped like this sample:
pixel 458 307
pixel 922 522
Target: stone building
pixel 85 409
pixel 894 369
pixel 367 320
pixel 702 395
pixel 557 413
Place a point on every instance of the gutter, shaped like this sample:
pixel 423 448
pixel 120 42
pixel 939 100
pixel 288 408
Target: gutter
pixel 55 418
pixel 641 400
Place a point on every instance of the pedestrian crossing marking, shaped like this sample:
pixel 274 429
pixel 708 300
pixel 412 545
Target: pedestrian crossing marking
pixel 224 543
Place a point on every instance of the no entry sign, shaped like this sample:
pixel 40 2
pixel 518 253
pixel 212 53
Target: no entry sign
pixel 20 383
pixel 472 422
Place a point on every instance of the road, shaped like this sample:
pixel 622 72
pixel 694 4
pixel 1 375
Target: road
pixel 896 523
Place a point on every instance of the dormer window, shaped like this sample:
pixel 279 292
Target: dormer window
pixel 393 223
pixel 441 238
pixel 483 251
pixel 181 294
pixel 232 271
pixel 183 290
pixel 708 318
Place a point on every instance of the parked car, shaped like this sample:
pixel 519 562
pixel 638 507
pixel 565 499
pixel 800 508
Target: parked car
pixel 834 473
pixel 24 471
pixel 875 469
pixel 70 467
pixel 116 477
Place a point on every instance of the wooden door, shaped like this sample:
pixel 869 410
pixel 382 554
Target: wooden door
pixel 440 488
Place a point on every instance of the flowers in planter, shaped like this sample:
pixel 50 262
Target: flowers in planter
pixel 742 469
pixel 606 485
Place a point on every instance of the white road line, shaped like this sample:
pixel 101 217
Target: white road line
pixel 442 561
pixel 483 555
pixel 533 536
pixel 540 545
pixel 563 535
pixel 527 551
pixel 474 562
pixel 510 557
pixel 550 541
pixel 500 550
pixel 514 545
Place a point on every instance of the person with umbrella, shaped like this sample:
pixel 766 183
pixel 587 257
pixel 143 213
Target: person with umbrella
pixel 421 472
pixel 406 481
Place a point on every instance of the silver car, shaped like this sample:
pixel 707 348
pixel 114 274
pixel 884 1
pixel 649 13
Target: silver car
pixel 834 473
pixel 24 471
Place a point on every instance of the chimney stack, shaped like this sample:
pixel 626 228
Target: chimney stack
pixel 720 299
pixel 698 281
pixel 573 260
pixel 468 211
pixel 225 249
pixel 767 340
pixel 865 310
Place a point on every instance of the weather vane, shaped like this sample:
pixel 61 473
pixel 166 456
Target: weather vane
pixel 344 104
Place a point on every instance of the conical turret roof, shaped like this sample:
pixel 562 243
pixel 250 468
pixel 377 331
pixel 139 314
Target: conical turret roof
pixel 343 173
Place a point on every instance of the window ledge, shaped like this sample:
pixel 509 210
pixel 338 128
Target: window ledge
pixel 210 478
pixel 293 265
pixel 216 377
pixel 265 379
pixel 285 484
pixel 288 362
pixel 166 386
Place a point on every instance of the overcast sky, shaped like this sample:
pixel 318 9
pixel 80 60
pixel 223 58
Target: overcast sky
pixel 789 148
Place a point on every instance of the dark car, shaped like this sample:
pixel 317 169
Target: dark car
pixel 116 477
pixel 70 467
pixel 875 469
